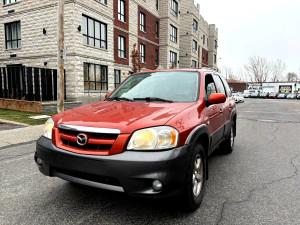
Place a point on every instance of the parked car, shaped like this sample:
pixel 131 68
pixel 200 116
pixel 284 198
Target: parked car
pixel 236 97
pixel 273 95
pixel 298 96
pixel 282 95
pixel 264 95
pixel 241 94
pixel 150 137
pixel 246 94
pixel 241 98
pixel 291 96
pixel 255 94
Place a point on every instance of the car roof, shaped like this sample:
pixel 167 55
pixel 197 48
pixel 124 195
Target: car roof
pixel 204 69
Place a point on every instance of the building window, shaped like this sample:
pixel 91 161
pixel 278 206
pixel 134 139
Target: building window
pixel 173 33
pixel 173 58
pixel 95 77
pixel 174 8
pixel 142 22
pixel 94 32
pixel 156 29
pixel 215 58
pixel 156 4
pixel 194 64
pixel 6 2
pixel 207 41
pixel 117 77
pixel 121 10
pixel 195 46
pixel 103 2
pixel 142 52
pixel 216 44
pixel 203 55
pixel 195 25
pixel 13 35
pixel 156 57
pixel 121 47
pixel 203 39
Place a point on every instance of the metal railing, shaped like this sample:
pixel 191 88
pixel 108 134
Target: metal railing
pixel 28 83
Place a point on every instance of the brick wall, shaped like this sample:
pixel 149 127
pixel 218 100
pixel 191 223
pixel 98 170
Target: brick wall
pixel 205 61
pixel 118 60
pixel 123 25
pixel 150 25
pixel 150 55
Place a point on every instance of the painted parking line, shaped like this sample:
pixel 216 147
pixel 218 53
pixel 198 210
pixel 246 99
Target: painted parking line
pixel 268 121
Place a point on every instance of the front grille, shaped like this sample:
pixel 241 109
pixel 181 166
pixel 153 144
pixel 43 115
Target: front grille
pixel 91 135
pixel 96 141
pixel 87 146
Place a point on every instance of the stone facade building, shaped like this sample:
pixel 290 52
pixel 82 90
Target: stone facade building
pixel 99 39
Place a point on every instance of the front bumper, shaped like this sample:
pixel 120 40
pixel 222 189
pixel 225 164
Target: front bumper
pixel 132 172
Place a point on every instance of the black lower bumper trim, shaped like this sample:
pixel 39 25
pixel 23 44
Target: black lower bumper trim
pixel 131 171
pixel 88 183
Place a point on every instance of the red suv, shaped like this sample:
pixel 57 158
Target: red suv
pixel 150 137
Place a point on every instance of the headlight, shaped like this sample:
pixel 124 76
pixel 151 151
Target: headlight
pixel 163 137
pixel 48 128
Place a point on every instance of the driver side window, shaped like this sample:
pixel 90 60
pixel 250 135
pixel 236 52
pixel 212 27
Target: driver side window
pixel 210 87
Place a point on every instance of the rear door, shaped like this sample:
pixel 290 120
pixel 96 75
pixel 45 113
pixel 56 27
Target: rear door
pixel 230 105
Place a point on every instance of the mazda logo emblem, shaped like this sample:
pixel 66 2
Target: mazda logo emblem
pixel 82 139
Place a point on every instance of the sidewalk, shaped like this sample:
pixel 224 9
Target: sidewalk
pixel 20 135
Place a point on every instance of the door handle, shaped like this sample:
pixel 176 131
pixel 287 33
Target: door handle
pixel 221 110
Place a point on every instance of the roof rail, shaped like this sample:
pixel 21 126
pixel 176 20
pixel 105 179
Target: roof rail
pixel 208 68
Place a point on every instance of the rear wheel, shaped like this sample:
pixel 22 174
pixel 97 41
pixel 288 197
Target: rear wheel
pixel 195 180
pixel 228 144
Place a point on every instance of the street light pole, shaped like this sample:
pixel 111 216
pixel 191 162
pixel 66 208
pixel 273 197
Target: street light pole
pixel 60 58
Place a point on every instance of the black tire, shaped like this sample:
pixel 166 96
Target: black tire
pixel 192 198
pixel 228 145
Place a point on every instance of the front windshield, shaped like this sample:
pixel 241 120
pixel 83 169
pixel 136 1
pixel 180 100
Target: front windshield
pixel 175 86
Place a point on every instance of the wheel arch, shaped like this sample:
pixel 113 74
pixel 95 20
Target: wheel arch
pixel 234 119
pixel 201 135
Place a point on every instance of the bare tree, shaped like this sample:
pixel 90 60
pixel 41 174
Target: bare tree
pixel 135 59
pixel 258 68
pixel 242 75
pixel 228 73
pixel 278 69
pixel 292 76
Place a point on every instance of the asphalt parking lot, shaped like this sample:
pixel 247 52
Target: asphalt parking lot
pixel 258 183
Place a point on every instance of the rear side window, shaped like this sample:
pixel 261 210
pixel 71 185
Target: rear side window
pixel 229 94
pixel 219 84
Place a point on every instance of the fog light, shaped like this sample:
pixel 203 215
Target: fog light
pixel 39 161
pixel 157 185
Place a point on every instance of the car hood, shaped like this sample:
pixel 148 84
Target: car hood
pixel 125 116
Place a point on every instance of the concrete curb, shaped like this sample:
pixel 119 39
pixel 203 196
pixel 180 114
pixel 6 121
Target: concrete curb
pixel 20 135
pixel 14 123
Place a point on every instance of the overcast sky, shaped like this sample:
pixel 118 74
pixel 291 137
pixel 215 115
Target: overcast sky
pixel 269 28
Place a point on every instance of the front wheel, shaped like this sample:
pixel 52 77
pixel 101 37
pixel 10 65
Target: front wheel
pixel 195 180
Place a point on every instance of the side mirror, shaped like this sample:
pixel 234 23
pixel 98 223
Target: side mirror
pixel 107 95
pixel 217 98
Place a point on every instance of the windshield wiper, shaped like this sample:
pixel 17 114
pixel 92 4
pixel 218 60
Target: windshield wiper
pixel 121 99
pixel 153 99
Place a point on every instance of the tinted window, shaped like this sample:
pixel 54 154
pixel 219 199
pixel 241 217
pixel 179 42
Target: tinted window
pixel 226 87
pixel 219 84
pixel 210 87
